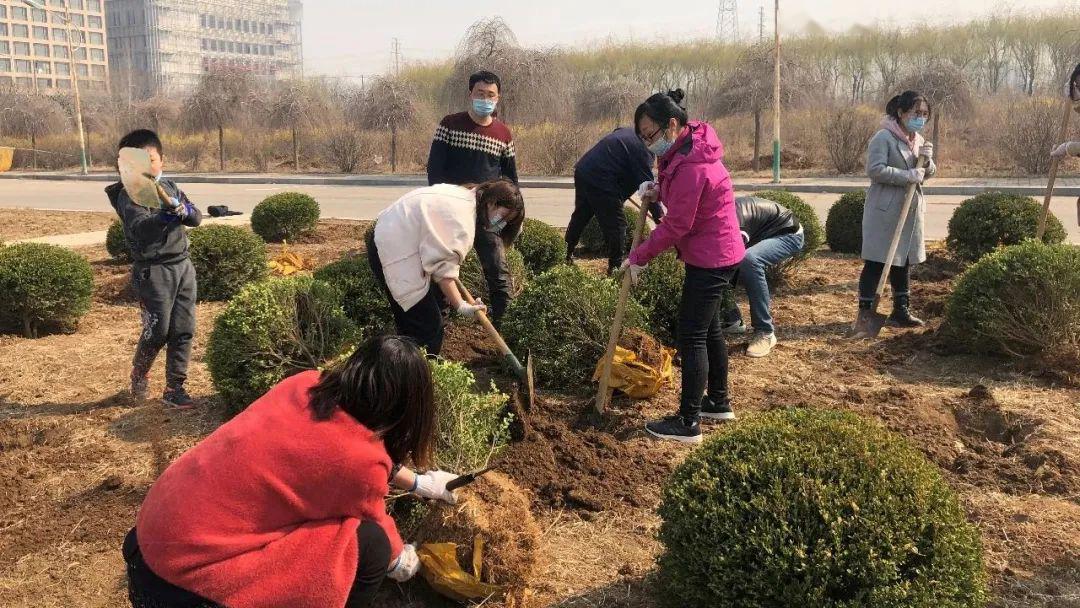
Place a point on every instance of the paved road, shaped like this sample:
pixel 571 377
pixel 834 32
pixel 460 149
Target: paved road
pixel 364 202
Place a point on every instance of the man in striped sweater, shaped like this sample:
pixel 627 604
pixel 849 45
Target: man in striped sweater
pixel 474 147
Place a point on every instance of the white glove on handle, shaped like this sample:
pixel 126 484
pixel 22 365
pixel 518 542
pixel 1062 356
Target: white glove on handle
pixel 648 192
pixel 406 565
pixel 1069 148
pixel 916 176
pixel 469 310
pixel 433 485
pixel 927 150
pixel 635 271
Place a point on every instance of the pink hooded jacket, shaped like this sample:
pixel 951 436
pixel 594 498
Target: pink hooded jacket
pixel 696 188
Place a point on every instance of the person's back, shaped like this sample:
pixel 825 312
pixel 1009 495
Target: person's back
pixel 617 164
pixel 761 219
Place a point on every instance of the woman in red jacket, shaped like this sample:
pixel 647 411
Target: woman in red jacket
pixel 284 505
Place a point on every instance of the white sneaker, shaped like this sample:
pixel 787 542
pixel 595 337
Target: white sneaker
pixel 761 345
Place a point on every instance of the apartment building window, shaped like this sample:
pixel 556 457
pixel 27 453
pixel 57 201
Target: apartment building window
pixel 78 20
pixel 18 13
pixel 80 53
pixel 41 50
pixel 82 70
pixel 43 67
pixel 220 23
pixel 76 4
pixel 22 48
pixel 59 34
pixel 232 47
pixel 60 52
pixel 63 69
pixel 98 71
pixel 3 29
pixel 45 83
pixel 5 47
pixel 41 33
pixel 97 54
pixel 97 38
pixel 94 6
pixel 203 44
pixel 228 24
pixel 3 12
pixel 270 29
pixel 5 65
pixel 39 15
pixel 22 66
pixel 94 21
pixel 20 31
pixel 63 83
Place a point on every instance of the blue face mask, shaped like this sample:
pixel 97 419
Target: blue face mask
pixel 497 224
pixel 660 146
pixel 483 107
pixel 916 124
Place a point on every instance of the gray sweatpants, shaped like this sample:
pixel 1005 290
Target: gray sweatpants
pixel 167 298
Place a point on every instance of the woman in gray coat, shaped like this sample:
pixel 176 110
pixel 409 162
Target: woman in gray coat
pixel 890 163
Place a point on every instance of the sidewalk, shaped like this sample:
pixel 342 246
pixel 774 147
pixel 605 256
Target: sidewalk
pixel 97 237
pixel 962 186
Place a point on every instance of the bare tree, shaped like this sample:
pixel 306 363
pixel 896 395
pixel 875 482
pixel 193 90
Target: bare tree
pixel 219 99
pixel 389 103
pixel 294 105
pixel 1026 48
pixel 609 100
pixel 158 112
pixel 994 48
pixel 948 91
pixel 32 115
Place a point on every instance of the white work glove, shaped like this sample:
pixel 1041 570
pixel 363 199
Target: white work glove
pixel 648 192
pixel 634 270
pixel 469 310
pixel 406 565
pixel 745 238
pixel 176 208
pixel 1069 148
pixel 433 485
pixel 927 150
pixel 916 176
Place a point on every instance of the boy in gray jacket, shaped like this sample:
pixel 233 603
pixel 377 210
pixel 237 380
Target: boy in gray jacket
pixel 162 276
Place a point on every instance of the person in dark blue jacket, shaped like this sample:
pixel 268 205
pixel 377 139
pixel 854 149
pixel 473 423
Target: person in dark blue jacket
pixel 603 179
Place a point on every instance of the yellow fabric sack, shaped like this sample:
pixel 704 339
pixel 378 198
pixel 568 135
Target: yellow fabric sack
pixel 442 571
pixel 288 263
pixel 635 378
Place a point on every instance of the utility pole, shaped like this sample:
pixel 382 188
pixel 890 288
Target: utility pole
pixel 727 21
pixel 761 23
pixel 776 99
pixel 396 49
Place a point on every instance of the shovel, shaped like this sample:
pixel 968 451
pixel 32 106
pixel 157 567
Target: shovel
pixel 1054 163
pixel 603 394
pixel 869 322
pixel 524 373
pixel 134 166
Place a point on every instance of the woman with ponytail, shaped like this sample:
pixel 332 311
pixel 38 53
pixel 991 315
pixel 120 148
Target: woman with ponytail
pixel 702 226
pixel 891 159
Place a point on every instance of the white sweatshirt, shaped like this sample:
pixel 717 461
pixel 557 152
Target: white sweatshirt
pixel 426 233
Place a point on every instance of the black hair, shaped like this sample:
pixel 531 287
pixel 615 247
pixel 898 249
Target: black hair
pixel 1073 82
pixel 661 108
pixel 141 138
pixel 386 386
pixel 503 193
pixel 904 102
pixel 485 76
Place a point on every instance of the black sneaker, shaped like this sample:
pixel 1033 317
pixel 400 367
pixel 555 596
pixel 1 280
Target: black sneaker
pixel 674 428
pixel 177 399
pixel 716 411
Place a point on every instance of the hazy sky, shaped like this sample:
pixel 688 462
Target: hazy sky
pixel 354 37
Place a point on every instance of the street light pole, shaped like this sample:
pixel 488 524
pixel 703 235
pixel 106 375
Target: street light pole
pixel 776 100
pixel 38 4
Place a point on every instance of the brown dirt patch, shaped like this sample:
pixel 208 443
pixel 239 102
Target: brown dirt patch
pixel 32 223
pixel 330 241
pixel 647 348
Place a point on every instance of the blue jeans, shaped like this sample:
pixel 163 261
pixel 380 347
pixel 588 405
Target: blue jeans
pixel 759 258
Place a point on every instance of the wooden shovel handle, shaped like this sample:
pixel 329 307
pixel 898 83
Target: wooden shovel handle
pixel 900 223
pixel 485 322
pixel 1053 171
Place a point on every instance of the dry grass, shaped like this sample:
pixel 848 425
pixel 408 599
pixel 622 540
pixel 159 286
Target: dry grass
pixel 31 223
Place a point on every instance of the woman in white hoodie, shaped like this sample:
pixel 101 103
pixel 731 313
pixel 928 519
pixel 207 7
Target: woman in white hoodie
pixel 420 242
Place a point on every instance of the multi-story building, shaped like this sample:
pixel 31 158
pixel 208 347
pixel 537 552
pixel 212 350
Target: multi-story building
pixel 34 47
pixel 164 46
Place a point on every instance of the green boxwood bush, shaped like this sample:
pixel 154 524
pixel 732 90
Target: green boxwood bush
pixel 843 227
pixel 563 318
pixel 815 509
pixel 362 297
pixel 592 239
pixel 1019 300
pixel 660 291
pixel 226 258
pixel 541 246
pixel 43 287
pixel 472 274
pixel 284 216
pixel 272 330
pixel 985 222
pixel 473 426
pixel 813 233
pixel 116 242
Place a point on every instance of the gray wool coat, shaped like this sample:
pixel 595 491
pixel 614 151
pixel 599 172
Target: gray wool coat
pixel 888 160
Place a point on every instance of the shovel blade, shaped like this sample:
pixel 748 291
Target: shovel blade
pixel 134 165
pixel 530 383
pixel 868 324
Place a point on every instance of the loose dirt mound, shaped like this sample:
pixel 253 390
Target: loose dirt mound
pixel 647 348
pixel 496 509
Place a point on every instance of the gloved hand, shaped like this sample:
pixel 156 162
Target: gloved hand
pixel 927 150
pixel 916 176
pixel 175 207
pixel 648 192
pixel 745 238
pixel 433 485
pixel 634 270
pixel 1069 148
pixel 469 310
pixel 406 565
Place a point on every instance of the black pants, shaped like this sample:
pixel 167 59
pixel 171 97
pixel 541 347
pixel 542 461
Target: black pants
pixel 167 300
pixel 424 321
pixel 871 274
pixel 148 590
pixel 592 202
pixel 701 338
pixel 492 253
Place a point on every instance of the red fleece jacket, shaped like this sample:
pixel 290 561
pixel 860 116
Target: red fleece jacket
pixel 264 511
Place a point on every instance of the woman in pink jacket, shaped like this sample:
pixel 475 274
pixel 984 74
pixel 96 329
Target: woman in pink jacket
pixel 702 226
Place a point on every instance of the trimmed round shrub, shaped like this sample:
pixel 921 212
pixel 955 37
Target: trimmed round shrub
pixel 43 287
pixel 116 242
pixel 592 238
pixel 813 233
pixel 226 258
pixel 473 426
pixel 660 291
pixel 541 246
pixel 1019 300
pixel 985 222
pixel 472 274
pixel 818 509
pixel 362 298
pixel 272 330
pixel 843 227
pixel 563 318
pixel 284 216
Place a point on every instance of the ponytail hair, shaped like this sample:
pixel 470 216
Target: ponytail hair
pixel 1073 84
pixel 661 108
pixel 904 102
